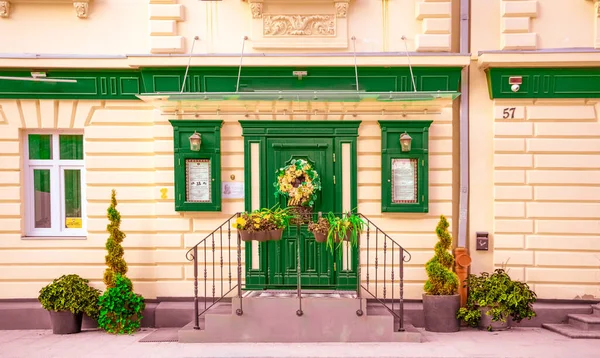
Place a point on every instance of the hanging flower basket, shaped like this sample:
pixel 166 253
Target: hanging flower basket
pixel 299 183
pixel 262 225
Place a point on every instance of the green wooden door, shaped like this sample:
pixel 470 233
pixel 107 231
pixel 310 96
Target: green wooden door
pixel 316 262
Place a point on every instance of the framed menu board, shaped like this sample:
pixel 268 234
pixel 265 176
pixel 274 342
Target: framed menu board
pixel 405 180
pixel 198 181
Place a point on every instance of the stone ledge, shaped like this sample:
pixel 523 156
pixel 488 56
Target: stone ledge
pixel 432 43
pixel 519 8
pixel 163 27
pixel 519 41
pixel 166 44
pixel 433 9
pixel 165 12
pixel 515 24
pixel 81 6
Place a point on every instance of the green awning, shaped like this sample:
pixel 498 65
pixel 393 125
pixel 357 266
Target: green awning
pixel 300 102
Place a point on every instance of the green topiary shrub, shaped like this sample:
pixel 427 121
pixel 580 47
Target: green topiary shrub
pixel 70 293
pixel 120 308
pixel 441 278
pixel 114 260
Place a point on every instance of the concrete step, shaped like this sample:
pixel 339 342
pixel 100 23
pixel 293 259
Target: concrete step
pixel 274 318
pixel 585 322
pixel 571 331
pixel 179 314
pixel 596 309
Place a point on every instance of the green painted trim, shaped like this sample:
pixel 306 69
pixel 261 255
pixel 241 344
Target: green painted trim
pixel 299 128
pixel 545 82
pixel 210 149
pixel 390 149
pixel 105 84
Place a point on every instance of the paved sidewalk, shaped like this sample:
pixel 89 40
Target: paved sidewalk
pixel 518 342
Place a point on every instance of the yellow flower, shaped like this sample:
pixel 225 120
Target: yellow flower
pixel 239 223
pixel 298 172
pixel 256 226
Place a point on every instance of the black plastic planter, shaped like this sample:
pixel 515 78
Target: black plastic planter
pixel 65 322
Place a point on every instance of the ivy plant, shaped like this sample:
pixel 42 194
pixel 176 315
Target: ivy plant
pixel 503 296
pixel 70 293
pixel 120 308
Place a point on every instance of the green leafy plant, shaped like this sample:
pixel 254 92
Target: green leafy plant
pixel 264 219
pixel 348 226
pixel 441 279
pixel 120 308
pixel 498 292
pixel 70 293
pixel 114 260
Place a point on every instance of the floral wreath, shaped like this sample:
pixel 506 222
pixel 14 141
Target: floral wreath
pixel 298 182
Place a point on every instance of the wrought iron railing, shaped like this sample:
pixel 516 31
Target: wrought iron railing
pixel 224 280
pixel 386 288
pixel 392 293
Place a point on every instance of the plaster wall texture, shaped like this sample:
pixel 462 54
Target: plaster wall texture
pixel 128 146
pixel 115 27
pixel 546 195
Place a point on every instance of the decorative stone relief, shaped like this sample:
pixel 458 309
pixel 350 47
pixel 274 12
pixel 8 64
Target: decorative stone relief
pixel 81 8
pixel 4 8
pixel 341 9
pixel 256 8
pixel 299 25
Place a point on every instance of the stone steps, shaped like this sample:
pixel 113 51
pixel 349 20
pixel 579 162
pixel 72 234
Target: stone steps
pixel 581 326
pixel 273 317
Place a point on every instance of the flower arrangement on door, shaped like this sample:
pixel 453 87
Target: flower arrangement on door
pixel 299 182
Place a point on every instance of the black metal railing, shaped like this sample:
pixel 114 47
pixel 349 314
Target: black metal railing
pixel 386 287
pixel 221 276
pixel 391 295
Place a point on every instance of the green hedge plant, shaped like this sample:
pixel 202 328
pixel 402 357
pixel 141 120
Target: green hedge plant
pixel 120 308
pixel 503 296
pixel 70 293
pixel 442 280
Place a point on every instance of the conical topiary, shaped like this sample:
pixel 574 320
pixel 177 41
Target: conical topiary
pixel 442 279
pixel 114 260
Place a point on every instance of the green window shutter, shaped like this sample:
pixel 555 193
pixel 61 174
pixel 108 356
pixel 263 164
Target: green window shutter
pixel 405 175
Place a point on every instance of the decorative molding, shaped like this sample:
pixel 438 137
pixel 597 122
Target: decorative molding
pixel 4 8
pixel 81 6
pixel 299 25
pixel 436 17
pixel 163 18
pixel 278 24
pixel 516 30
pixel 256 8
pixel 341 9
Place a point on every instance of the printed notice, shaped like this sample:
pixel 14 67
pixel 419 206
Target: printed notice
pixel 233 190
pixel 404 180
pixel 198 180
pixel 73 223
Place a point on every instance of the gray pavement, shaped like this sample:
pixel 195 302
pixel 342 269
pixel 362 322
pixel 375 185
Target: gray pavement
pixel 518 342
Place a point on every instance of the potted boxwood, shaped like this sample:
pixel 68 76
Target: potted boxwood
pixel 493 298
pixel 67 298
pixel 441 300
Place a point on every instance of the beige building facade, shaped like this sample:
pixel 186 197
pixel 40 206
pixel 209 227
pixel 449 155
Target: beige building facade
pixel 532 157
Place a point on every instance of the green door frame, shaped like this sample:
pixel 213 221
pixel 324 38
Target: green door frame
pixel 256 132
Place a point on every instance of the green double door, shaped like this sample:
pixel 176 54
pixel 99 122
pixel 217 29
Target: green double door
pixel 317 265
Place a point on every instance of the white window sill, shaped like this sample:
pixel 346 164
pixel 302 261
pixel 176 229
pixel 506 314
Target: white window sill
pixel 54 238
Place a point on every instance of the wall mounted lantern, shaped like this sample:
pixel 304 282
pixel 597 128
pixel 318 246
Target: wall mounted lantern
pixel 405 142
pixel 195 142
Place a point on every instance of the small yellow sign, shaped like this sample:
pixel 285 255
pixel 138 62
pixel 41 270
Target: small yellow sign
pixel 73 223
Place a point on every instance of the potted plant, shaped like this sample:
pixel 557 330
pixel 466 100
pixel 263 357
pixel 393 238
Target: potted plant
pixel 345 228
pixel 264 224
pixel 67 298
pixel 440 300
pixel 493 298
pixel 299 183
pixel 320 229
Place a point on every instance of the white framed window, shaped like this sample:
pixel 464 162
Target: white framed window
pixel 54 183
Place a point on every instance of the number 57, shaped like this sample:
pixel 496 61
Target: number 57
pixel 508 113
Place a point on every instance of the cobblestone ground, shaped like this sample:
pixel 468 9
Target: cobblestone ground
pixel 519 342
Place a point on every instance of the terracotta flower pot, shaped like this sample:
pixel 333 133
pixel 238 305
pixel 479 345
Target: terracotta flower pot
pixel 262 236
pixel 276 235
pixel 320 237
pixel 246 235
pixel 65 322
pixel 346 237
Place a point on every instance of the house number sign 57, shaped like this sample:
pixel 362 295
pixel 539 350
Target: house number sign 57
pixel 509 112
